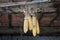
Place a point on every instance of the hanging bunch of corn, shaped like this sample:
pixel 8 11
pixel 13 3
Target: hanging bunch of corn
pixel 31 23
pixel 36 29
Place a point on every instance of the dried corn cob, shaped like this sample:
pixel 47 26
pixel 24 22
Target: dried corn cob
pixel 37 28
pixel 34 25
pixel 30 22
pixel 34 31
pixel 34 20
pixel 25 29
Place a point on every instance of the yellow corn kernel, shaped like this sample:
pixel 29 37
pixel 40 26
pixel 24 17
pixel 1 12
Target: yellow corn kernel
pixel 30 22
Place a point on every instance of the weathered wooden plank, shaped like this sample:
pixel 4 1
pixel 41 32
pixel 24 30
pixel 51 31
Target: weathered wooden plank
pixel 43 9
pixel 17 10
pixel 21 3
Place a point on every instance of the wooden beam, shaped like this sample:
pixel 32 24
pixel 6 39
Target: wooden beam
pixel 20 3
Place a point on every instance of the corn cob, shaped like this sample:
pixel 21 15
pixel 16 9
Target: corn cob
pixel 25 29
pixel 30 22
pixel 37 28
pixel 34 20
pixel 34 25
pixel 34 31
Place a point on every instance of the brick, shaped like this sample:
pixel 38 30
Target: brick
pixel 2 1
pixel 45 21
pixel 48 9
pixel 17 19
pixel 57 23
pixel 49 15
pixel 4 20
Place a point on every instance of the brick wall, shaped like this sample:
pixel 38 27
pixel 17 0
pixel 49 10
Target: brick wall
pixel 17 19
pixel 4 20
pixel 46 19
